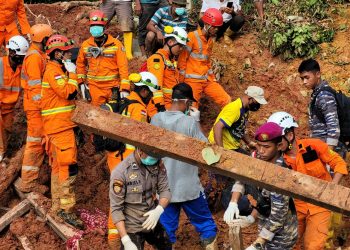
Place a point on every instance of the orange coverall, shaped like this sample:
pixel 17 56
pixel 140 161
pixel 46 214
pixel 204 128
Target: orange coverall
pixel 313 220
pixel 103 68
pixel 167 75
pixel 10 87
pixel 57 105
pixel 136 111
pixel 9 9
pixel 195 69
pixel 32 73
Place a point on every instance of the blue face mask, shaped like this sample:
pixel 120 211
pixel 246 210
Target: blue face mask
pixel 96 30
pixel 180 11
pixel 149 161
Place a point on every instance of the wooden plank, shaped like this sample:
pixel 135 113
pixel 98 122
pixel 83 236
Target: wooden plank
pixel 14 213
pixel 25 242
pixel 64 231
pixel 232 164
pixel 235 237
pixel 19 192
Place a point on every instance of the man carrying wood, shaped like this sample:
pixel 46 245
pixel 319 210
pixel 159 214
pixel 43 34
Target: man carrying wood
pixel 134 186
pixel 278 224
pixel 309 156
pixel 187 191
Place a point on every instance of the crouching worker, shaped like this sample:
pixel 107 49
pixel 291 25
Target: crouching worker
pixel 134 184
pixel 278 224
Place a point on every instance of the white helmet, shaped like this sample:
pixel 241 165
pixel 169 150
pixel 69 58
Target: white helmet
pixel 178 33
pixel 18 44
pixel 145 79
pixel 284 120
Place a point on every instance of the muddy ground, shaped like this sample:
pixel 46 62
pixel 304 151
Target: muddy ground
pixel 247 64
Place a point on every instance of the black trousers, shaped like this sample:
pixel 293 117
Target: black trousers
pixel 235 24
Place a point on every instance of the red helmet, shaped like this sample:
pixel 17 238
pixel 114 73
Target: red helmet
pixel 58 42
pixel 98 17
pixel 213 17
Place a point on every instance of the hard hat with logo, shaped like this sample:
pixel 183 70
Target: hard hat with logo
pixel 58 42
pixel 18 44
pixel 213 17
pixel 39 31
pixel 145 79
pixel 178 33
pixel 97 17
pixel 284 120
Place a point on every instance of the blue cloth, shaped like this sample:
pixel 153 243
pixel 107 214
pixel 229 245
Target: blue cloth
pixel 149 1
pixel 197 211
pixel 163 18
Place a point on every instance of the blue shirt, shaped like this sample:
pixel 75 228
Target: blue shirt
pixel 163 18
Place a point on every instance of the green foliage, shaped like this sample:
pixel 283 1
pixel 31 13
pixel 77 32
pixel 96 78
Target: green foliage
pixel 295 28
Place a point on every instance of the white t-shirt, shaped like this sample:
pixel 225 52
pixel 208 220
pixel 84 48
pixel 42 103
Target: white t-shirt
pixel 217 5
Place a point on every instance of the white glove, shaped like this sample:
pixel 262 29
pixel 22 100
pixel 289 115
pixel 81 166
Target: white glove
pixel 1 157
pixel 128 244
pixel 243 221
pixel 85 91
pixel 236 6
pixel 251 247
pixel 195 113
pixel 231 212
pixel 124 94
pixel 70 67
pixel 153 217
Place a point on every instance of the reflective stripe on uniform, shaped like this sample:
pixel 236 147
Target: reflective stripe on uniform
pixel 67 201
pixel 157 94
pixel 33 139
pixel 113 231
pixel 128 146
pixel 194 76
pixel 73 82
pixel 182 72
pixel 32 52
pixel 30 168
pixel 10 88
pixel 200 45
pixel 102 78
pixel 57 110
pixel 167 91
pixel 1 71
pixel 45 85
pixel 36 97
pixel 81 76
pixel 125 81
pixel 34 82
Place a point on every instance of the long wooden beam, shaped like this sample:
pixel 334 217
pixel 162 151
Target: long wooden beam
pixel 232 164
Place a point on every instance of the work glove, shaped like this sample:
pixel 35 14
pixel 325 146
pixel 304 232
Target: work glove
pixel 231 212
pixel 127 243
pixel 85 92
pixel 243 221
pixel 124 94
pixel 153 217
pixel 160 108
pixel 236 6
pixel 195 113
pixel 70 67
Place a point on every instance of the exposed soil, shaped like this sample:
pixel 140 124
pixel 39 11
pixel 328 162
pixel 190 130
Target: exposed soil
pixel 283 88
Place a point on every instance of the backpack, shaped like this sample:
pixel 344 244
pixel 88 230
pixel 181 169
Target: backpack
pixel 343 110
pixel 102 143
pixel 144 67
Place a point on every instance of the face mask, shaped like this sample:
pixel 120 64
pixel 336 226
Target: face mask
pixel 96 31
pixel 180 11
pixel 149 161
pixel 254 107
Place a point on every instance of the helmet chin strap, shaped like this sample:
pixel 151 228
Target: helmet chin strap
pixel 206 30
pixel 290 143
pixel 170 49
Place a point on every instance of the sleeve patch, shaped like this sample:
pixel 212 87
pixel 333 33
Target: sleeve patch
pixel 156 66
pixel 117 186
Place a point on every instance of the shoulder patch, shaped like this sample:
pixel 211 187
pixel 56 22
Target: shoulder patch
pixel 118 186
pixel 58 77
pixel 156 66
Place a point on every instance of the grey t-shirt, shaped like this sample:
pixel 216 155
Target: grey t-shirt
pixel 183 178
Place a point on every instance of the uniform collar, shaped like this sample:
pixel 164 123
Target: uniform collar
pixel 134 96
pixel 35 47
pixel 92 42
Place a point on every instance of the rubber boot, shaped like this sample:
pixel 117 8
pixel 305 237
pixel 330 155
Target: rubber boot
pixel 128 44
pixel 71 218
pixel 210 244
pixel 114 244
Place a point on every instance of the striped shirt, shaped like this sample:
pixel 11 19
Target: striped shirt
pixel 325 127
pixel 163 18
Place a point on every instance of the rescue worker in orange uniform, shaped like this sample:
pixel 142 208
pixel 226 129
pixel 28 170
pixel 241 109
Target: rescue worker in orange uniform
pixel 9 9
pixel 309 156
pixel 32 74
pixel 145 85
pixel 194 61
pixel 102 62
pixel 59 89
pixel 164 66
pixel 10 86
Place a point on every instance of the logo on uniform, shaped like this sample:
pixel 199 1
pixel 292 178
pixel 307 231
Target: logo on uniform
pixel 133 176
pixel 264 137
pixel 117 186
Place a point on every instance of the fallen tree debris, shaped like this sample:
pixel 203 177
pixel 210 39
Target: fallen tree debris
pixel 14 213
pixel 72 4
pixel 25 242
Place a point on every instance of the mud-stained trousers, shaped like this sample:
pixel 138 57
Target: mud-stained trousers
pixel 62 153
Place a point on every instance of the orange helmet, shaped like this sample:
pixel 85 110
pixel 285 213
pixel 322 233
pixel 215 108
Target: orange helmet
pixel 39 31
pixel 98 17
pixel 213 17
pixel 58 42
